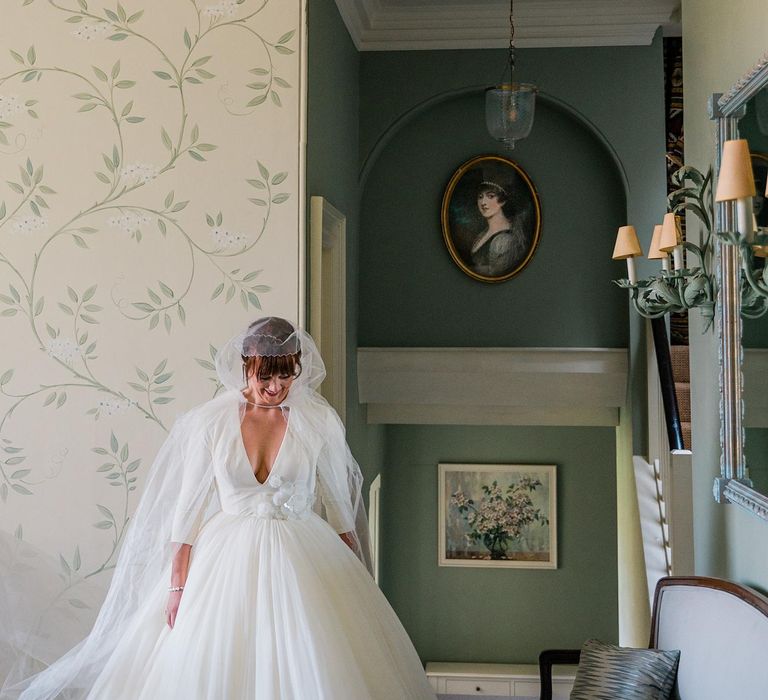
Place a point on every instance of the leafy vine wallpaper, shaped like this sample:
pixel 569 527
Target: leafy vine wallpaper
pixel 151 169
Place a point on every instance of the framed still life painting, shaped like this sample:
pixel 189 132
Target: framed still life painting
pixel 497 515
pixel 491 218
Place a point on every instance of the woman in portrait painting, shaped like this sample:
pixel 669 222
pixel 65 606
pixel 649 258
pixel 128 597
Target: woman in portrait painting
pixel 502 244
pixel 491 218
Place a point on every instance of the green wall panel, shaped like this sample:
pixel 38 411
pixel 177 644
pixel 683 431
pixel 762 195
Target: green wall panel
pixel 501 615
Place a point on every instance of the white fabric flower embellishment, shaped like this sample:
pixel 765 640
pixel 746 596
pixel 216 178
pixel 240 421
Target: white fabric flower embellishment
pixel 265 510
pixel 297 503
pixel 274 481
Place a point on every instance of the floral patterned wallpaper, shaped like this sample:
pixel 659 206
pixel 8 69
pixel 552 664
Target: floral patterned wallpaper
pixel 151 204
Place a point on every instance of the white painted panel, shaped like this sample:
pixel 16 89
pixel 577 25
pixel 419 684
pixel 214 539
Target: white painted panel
pixel 494 386
pixel 381 25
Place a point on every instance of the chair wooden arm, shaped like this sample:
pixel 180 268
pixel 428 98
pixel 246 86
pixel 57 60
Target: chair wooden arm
pixel 552 657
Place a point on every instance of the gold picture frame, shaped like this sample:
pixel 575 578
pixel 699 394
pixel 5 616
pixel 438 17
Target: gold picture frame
pixel 491 218
pixel 497 516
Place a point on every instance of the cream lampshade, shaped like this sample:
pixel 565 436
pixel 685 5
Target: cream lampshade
pixel 735 179
pixel 654 252
pixel 735 182
pixel 627 244
pixel 627 248
pixel 671 238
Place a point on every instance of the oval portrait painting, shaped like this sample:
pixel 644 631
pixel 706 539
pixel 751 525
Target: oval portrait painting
pixel 491 218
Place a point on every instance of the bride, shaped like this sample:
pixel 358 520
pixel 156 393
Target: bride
pixel 243 573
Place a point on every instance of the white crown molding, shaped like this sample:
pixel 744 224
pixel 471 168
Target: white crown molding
pixel 381 25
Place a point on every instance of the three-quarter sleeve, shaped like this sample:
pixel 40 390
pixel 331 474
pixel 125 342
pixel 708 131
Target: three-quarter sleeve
pixel 333 491
pixel 196 485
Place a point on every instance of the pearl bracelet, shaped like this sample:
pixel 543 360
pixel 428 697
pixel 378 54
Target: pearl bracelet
pixel 175 589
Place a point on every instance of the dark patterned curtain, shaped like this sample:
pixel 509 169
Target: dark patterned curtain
pixel 673 102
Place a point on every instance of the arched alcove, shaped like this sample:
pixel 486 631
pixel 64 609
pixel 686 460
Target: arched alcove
pixel 412 294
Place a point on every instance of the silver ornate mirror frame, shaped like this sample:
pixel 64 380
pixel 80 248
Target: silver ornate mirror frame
pixel 733 485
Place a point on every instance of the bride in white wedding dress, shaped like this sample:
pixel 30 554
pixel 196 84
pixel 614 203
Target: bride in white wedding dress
pixel 242 576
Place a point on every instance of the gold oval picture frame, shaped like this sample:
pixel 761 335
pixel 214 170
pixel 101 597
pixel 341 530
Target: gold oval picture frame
pixel 491 218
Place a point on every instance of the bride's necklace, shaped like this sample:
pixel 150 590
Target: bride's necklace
pixel 262 405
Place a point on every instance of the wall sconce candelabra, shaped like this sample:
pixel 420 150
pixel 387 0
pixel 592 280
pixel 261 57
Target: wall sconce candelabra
pixel 736 183
pixel 676 288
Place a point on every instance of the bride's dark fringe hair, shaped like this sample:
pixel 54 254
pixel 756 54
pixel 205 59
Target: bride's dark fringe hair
pixel 265 365
pixel 268 365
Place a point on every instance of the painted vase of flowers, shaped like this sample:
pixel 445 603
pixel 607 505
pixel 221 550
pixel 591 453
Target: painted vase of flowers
pixel 502 516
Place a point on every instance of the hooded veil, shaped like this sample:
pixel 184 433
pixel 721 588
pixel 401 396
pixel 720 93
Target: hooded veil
pixel 180 496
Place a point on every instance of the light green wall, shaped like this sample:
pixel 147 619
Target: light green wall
pixel 506 615
pixel 418 123
pixel 332 158
pixel 722 42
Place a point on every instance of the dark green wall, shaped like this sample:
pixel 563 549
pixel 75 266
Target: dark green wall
pixel 332 164
pixel 598 128
pixel 357 104
pixel 619 91
pixel 413 294
pixel 501 615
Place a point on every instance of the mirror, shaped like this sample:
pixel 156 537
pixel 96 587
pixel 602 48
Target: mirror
pixel 743 113
pixel 753 127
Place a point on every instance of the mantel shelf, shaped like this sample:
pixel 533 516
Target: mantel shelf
pixel 493 386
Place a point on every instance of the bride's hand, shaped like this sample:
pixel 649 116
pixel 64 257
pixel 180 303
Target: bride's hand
pixel 172 607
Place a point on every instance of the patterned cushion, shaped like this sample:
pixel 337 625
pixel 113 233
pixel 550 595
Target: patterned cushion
pixel 607 672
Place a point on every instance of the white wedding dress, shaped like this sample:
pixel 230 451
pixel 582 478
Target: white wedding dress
pixel 275 607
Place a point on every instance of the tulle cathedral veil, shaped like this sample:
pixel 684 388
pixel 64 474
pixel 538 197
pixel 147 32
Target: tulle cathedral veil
pixel 179 496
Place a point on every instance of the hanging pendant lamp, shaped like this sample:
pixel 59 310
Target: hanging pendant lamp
pixel 509 107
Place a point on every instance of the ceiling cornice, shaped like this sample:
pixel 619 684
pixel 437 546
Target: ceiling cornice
pixel 384 25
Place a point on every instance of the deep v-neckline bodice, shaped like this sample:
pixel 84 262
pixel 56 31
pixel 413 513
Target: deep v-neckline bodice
pixel 247 457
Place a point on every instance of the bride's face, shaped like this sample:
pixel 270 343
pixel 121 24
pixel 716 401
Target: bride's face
pixel 270 390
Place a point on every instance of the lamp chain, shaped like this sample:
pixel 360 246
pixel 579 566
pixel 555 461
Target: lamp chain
pixel 511 39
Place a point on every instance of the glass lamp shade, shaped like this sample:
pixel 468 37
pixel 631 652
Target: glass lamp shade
pixel 509 111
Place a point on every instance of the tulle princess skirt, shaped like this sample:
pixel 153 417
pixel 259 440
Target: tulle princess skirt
pixel 272 610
